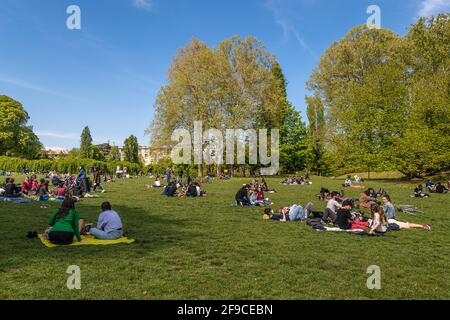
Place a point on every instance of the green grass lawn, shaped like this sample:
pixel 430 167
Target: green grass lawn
pixel 204 249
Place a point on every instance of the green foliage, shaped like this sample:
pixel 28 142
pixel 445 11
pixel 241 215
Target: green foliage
pixel 387 98
pixel 131 149
pixel 114 154
pixel 16 138
pixel 67 165
pixel 294 144
pixel 317 160
pixel 86 143
pixel 232 86
pixel 95 153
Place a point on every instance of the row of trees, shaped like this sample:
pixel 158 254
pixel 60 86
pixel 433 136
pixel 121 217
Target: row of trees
pixel 381 101
pixel 17 139
pixel 89 151
pixel 239 84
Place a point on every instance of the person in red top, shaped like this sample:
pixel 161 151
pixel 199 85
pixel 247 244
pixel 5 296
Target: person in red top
pixel 27 185
pixel 60 191
pixel 260 195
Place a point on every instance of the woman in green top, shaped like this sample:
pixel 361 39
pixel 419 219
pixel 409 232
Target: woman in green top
pixel 64 223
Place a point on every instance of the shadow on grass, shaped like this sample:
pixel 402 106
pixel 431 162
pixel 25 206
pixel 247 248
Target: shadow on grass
pixel 152 232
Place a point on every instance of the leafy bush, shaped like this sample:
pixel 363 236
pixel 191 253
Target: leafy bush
pixel 68 165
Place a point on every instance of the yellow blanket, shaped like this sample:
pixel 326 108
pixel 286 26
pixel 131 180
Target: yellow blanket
pixel 87 241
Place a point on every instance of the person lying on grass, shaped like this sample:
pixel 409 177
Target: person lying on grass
pixel 293 213
pixel 407 225
pixel 64 224
pixel 109 225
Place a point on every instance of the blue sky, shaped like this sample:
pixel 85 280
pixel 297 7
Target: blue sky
pixel 107 74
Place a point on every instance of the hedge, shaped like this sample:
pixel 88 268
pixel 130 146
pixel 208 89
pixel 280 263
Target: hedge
pixel 64 165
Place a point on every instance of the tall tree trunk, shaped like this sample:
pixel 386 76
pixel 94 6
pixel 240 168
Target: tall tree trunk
pixel 200 170
pixel 218 170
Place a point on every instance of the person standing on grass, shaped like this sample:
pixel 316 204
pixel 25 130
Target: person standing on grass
pixel 97 180
pixel 109 225
pixel 180 175
pixel 168 174
pixel 64 224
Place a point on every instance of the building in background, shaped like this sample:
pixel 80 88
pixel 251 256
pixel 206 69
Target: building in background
pixel 150 155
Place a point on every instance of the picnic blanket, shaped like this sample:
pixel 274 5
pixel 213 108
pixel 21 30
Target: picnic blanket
pixel 16 200
pixel 87 241
pixel 341 230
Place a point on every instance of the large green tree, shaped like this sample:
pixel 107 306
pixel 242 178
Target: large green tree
pixel 16 138
pixel 131 149
pixel 317 160
pixel 424 145
pixel 294 144
pixel 231 86
pixel 86 143
pixel 362 83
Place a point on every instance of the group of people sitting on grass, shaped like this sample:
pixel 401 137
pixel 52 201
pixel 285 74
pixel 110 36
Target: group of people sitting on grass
pixel 175 189
pixel 431 187
pixel 55 186
pixel 295 181
pixel 348 183
pixel 340 213
pixel 253 194
pixel 65 224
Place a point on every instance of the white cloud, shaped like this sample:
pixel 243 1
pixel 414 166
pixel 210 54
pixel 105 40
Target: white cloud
pixel 31 86
pixel 58 135
pixel 432 7
pixel 71 136
pixel 143 4
pixel 286 25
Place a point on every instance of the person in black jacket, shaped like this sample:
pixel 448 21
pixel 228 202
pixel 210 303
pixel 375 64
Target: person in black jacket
pixel 242 196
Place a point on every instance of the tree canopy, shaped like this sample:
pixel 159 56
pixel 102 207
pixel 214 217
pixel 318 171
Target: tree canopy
pixel 16 138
